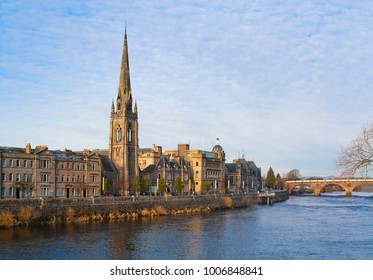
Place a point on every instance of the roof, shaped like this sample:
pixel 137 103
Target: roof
pixel 107 164
pixel 232 167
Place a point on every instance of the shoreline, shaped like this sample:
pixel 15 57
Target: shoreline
pixel 32 212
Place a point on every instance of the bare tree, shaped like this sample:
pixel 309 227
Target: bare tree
pixel 293 175
pixel 358 156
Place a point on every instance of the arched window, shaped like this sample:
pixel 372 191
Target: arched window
pixel 119 134
pixel 129 134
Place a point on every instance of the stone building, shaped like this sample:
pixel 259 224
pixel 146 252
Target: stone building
pixel 40 172
pixel 207 168
pixel 78 174
pixel 243 176
pixel 149 156
pixel 169 170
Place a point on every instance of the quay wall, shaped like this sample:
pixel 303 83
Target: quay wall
pixel 49 210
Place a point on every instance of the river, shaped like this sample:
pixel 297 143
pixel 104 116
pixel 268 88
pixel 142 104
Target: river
pixel 304 227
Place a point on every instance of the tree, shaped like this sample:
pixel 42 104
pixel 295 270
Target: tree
pixel 137 183
pixel 293 175
pixel 144 185
pixel 179 185
pixel 206 187
pixel 280 183
pixel 270 178
pixel 358 156
pixel 161 186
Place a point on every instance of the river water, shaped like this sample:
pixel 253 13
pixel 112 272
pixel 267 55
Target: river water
pixel 304 227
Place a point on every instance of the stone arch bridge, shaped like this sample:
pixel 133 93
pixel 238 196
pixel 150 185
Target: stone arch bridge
pixel 317 185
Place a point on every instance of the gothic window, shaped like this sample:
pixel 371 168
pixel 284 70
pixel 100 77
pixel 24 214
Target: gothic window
pixel 119 134
pixel 129 134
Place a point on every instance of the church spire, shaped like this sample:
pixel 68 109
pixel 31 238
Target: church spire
pixel 124 90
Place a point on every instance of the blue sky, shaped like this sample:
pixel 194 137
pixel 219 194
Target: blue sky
pixel 286 83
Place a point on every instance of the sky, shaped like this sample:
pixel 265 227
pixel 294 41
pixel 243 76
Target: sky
pixel 283 83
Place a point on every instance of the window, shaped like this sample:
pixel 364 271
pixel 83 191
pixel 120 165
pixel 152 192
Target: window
pixel 62 178
pixel 73 178
pixel 32 177
pixel 44 191
pixel 57 178
pixel 10 192
pixel 24 177
pixel 10 177
pixel 44 177
pixel 67 165
pixel 56 192
pixel 119 134
pixel 2 176
pixel 78 178
pixel 18 178
pixel 93 179
pixel 44 163
pixel 31 164
pixel 73 166
pixel 18 163
pixel 31 192
pixel 197 163
pixel 78 166
pixel 2 192
pixel 63 192
pixel 24 163
pixel 67 178
pixel 92 166
pixel 2 162
pixel 62 166
pixel 10 163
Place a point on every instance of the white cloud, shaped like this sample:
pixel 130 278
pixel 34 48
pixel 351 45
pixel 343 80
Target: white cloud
pixel 285 83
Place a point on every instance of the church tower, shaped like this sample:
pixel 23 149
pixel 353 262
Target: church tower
pixel 123 135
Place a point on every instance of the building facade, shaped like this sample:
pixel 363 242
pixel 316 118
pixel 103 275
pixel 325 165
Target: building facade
pixel 40 172
pixel 243 176
pixel 207 168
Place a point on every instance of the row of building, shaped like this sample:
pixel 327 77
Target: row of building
pixel 40 172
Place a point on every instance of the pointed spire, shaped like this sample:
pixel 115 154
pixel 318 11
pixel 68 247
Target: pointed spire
pixel 112 106
pixel 124 90
pixel 135 109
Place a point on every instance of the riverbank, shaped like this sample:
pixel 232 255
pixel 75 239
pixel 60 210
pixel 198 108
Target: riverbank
pixel 51 211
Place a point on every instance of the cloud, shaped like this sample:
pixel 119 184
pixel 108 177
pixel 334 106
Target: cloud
pixel 285 83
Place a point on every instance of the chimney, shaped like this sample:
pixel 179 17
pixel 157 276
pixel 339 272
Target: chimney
pixel 28 148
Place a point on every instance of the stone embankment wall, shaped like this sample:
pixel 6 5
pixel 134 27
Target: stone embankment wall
pixel 39 211
pixel 281 196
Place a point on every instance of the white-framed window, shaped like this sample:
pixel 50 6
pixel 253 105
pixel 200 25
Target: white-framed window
pixel 18 163
pixel 25 164
pixel 10 192
pixel 31 163
pixel 57 177
pixel 56 192
pixel 18 177
pixel 2 162
pixel 44 163
pixel 10 177
pixel 10 163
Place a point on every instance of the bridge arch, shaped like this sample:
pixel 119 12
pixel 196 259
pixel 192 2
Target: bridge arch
pixel 348 185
